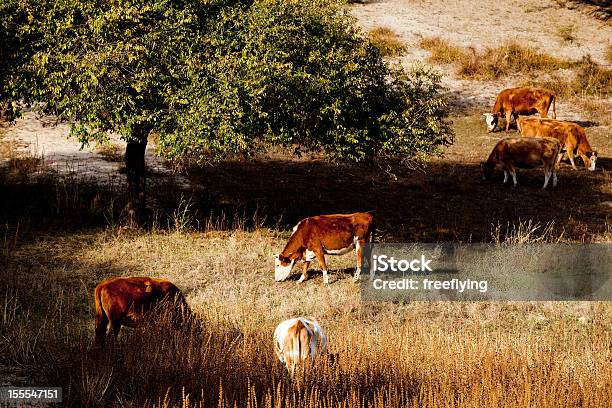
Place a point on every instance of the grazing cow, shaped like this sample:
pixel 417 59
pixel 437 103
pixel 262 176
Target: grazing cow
pixel 125 300
pixel 571 135
pixel 314 237
pixel 298 339
pixel 520 101
pixel 525 153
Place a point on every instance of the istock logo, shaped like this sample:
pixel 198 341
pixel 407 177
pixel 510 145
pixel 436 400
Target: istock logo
pixel 384 263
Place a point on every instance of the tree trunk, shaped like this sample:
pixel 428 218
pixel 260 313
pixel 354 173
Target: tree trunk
pixel 136 175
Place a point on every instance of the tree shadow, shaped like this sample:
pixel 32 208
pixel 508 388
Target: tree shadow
pixel 448 202
pixel 601 9
pixel 586 123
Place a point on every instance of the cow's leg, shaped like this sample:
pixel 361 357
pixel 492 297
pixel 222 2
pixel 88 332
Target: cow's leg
pixel 359 243
pixel 546 177
pixel 554 175
pixel 321 259
pixel 570 154
pixel 304 272
pixel 508 117
pixel 101 326
pixel 559 158
pixel 515 116
pixel 505 176
pixel 113 332
pixel 512 172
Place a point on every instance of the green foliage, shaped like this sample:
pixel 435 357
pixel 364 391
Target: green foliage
pixel 223 77
pixel 107 66
pixel 301 75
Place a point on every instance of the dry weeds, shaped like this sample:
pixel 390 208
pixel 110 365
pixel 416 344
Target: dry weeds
pixel 110 152
pixel 587 79
pixel 387 42
pixel 492 63
pixel 415 354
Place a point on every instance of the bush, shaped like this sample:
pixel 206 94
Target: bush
pixel 508 59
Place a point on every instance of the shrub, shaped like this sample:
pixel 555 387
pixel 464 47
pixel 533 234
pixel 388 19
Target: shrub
pixel 589 78
pixel 567 33
pixel 592 79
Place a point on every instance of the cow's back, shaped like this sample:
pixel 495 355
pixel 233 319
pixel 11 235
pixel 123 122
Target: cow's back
pixel 527 152
pixel 522 100
pixel 122 295
pixel 336 231
pixel 560 130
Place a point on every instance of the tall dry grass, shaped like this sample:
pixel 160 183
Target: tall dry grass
pixel 492 63
pixel 587 79
pixel 387 41
pixel 389 354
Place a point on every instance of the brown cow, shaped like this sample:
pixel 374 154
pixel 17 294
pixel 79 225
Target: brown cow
pixel 520 101
pixel 297 340
pixel 125 300
pixel 525 153
pixel 324 234
pixel 571 135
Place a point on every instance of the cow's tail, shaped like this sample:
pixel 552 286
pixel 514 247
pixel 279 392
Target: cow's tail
pixel 102 318
pixel 553 99
pixel 312 337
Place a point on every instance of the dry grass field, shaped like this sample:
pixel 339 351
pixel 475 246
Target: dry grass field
pixel 61 236
pixel 62 232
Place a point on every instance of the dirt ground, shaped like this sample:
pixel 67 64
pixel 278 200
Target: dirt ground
pixel 488 24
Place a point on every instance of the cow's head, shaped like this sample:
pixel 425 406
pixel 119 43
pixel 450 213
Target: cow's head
pixel 487 170
pixel 282 267
pixel 592 155
pixel 491 121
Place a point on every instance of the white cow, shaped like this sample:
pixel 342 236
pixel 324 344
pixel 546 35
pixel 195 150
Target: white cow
pixel 298 339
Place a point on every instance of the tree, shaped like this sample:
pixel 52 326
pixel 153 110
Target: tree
pixel 107 66
pixel 221 77
pixel 300 74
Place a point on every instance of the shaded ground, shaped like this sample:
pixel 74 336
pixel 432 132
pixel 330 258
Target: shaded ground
pixel 449 201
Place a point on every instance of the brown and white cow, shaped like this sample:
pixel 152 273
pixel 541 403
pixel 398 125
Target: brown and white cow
pixel 525 153
pixel 571 135
pixel 297 340
pixel 314 237
pixel 520 101
pixel 123 301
